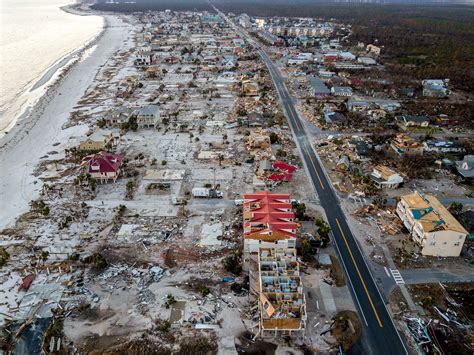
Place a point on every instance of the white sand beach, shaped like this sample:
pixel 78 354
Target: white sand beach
pixel 41 132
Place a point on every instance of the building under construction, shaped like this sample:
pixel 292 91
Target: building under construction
pixel 281 300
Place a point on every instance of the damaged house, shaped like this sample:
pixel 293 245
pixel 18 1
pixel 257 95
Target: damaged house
pixel 118 116
pixel 99 140
pixel 249 87
pixel 385 178
pixel 431 225
pixel 103 166
pixel 403 144
pixel 281 303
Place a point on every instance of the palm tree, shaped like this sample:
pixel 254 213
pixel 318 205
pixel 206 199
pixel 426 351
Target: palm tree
pixel 221 159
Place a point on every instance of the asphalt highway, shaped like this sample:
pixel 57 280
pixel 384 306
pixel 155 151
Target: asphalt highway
pixel 381 336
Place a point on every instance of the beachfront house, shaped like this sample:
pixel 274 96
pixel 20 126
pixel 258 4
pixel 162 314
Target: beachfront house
pixel 403 144
pixel 99 140
pixel 269 221
pixel 103 166
pixel 148 116
pixel 249 87
pixel 118 116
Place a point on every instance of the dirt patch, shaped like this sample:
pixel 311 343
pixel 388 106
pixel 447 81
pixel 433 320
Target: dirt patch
pixel 336 272
pixel 347 328
pixel 245 345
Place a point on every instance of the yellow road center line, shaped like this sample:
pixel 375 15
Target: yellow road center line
pixel 360 276
pixel 295 115
pixel 314 168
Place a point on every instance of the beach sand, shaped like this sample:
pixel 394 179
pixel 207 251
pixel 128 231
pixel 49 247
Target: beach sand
pixel 35 135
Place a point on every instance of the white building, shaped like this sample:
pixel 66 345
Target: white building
pixel 148 116
pixel 260 22
pixel 436 88
pixel 341 91
pixel 386 178
pixel 431 225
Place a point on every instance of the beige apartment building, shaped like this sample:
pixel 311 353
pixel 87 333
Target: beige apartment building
pixel 431 225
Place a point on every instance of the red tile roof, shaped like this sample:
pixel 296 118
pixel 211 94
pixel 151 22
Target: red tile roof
pixel 268 214
pixel 106 162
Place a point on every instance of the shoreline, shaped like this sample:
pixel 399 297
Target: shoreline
pixel 50 78
pixel 42 130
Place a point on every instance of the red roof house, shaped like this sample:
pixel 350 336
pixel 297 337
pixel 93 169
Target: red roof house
pixel 284 166
pixel 103 166
pixel 284 171
pixel 269 217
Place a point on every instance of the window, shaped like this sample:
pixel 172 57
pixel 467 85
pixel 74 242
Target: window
pixel 460 237
pixel 433 243
pixel 456 244
pixel 445 243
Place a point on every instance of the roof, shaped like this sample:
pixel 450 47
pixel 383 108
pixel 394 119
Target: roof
pixel 106 162
pixel 384 172
pixel 443 144
pixel 268 216
pixel 352 103
pixel 468 161
pixel 342 89
pixel 283 166
pixel 362 148
pixel 404 141
pixel 435 84
pixel 281 177
pixel 150 110
pixel 317 85
pixel 100 135
pixel 431 214
pixel 414 118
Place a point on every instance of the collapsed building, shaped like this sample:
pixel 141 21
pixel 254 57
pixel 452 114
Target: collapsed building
pixel 281 304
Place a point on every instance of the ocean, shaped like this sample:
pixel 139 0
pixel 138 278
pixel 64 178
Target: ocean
pixel 36 40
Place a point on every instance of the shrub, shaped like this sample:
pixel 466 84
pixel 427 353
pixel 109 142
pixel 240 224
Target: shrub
pixel 4 256
pixel 233 262
pixel 163 326
pixel 170 300
pixel 274 138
